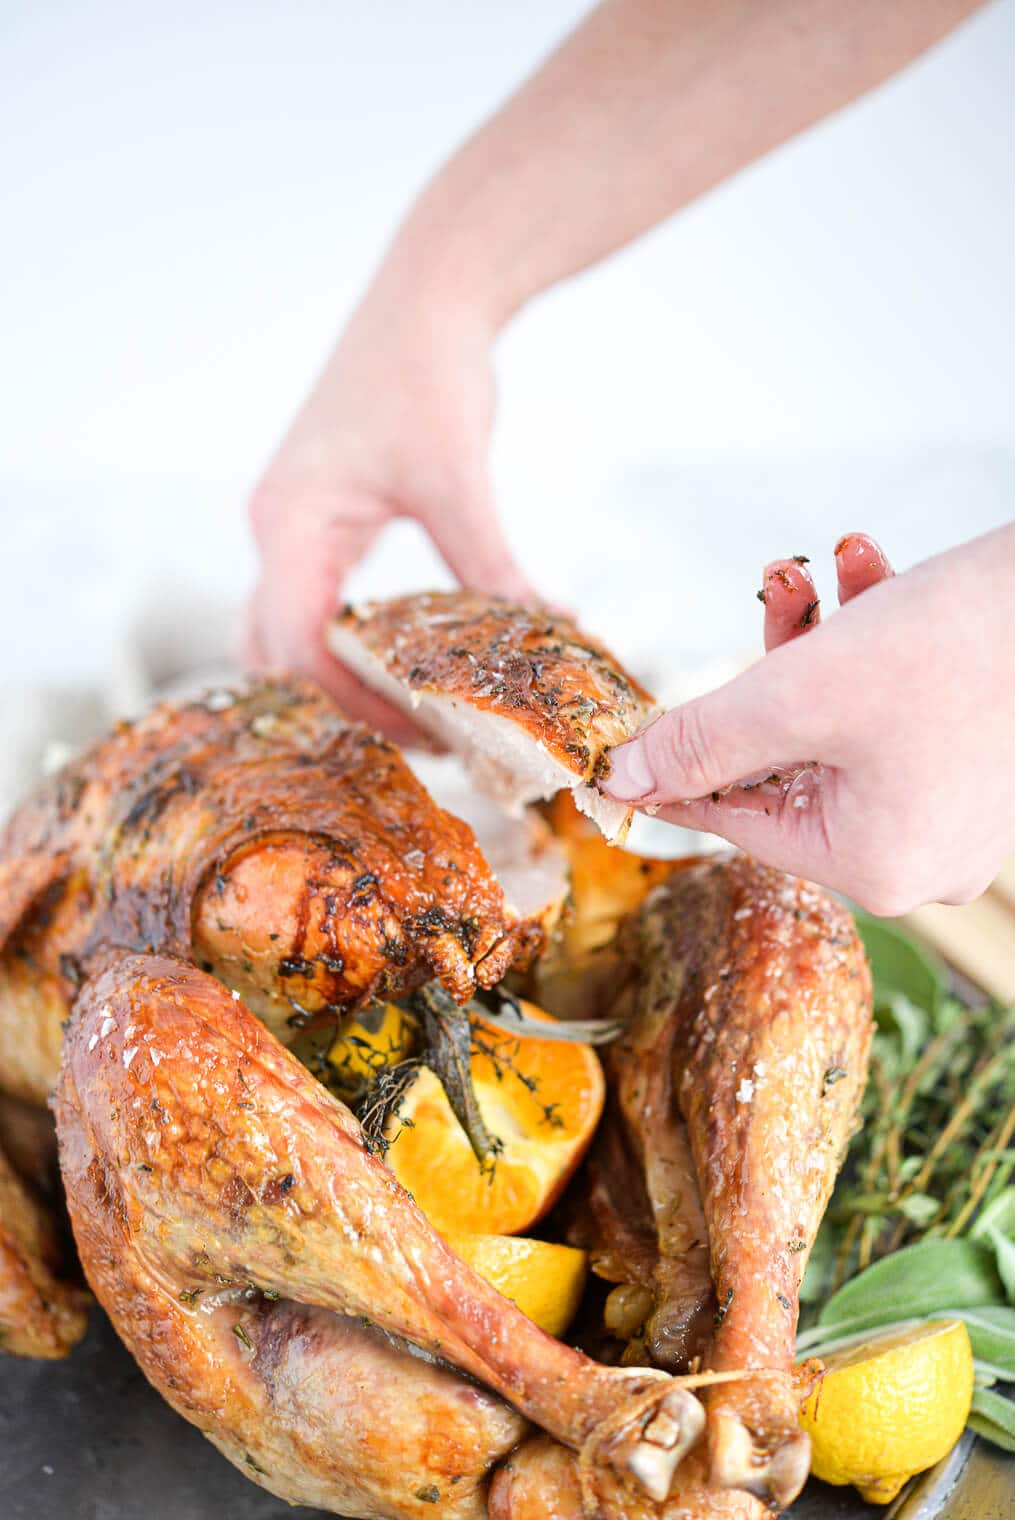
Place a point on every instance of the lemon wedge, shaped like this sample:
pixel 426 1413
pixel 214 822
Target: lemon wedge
pixel 545 1281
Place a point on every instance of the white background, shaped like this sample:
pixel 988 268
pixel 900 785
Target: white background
pixel 194 194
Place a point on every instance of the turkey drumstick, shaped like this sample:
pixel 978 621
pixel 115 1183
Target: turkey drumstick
pixel 748 1052
pixel 197 1151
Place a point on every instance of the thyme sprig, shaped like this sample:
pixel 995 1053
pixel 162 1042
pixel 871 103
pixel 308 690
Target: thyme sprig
pixel 922 1221
pixel 939 1117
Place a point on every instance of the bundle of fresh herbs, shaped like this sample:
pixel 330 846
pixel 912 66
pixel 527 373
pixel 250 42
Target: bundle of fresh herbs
pixel 922 1221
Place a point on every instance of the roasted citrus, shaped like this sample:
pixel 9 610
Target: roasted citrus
pixel 889 1408
pixel 540 1098
pixel 545 1280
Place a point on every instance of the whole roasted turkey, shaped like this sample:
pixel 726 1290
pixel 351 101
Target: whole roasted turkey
pixel 179 903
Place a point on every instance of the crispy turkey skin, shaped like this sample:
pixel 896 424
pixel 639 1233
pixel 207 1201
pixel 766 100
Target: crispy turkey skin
pixel 186 897
pixel 531 701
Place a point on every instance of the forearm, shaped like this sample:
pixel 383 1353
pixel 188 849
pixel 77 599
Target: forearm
pixel 646 106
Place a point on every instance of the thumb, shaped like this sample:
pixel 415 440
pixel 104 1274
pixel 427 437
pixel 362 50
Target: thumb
pixel 739 763
pixel 755 723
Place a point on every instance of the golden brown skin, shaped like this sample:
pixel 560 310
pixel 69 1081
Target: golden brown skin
pixel 200 1158
pixel 534 667
pixel 742 1073
pixel 260 832
pixel 542 1480
pixel 39 1315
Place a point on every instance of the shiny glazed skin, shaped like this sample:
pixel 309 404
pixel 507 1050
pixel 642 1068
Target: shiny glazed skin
pixel 737 1084
pixel 236 1229
pixel 210 1176
pixel 259 831
pixel 538 668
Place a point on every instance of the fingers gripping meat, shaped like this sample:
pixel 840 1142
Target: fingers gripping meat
pixel 755 997
pixel 198 1154
pixel 291 851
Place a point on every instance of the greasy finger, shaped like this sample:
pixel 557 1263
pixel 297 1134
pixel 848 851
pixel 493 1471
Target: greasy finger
pixel 860 562
pixel 791 600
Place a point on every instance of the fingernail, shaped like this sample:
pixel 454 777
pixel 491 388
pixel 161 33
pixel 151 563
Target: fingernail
pixel 630 777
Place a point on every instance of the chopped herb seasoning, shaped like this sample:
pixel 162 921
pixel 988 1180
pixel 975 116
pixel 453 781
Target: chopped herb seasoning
pixel 429 1495
pixel 832 1075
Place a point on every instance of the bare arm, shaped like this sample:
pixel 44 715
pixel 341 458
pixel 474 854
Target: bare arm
pixel 647 105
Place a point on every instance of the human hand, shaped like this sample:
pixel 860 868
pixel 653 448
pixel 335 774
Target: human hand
pixel 398 425
pixel 876 755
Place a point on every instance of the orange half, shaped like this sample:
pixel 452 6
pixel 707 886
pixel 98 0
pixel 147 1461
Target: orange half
pixel 542 1099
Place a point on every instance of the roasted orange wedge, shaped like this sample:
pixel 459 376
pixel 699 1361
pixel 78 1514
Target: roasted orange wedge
pixel 540 1098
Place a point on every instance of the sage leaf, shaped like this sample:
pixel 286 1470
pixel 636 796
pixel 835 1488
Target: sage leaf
pixel 992 1336
pixel 999 1214
pixel 1004 1250
pixel 993 1417
pixel 900 966
pixel 917 1281
pixel 504 1011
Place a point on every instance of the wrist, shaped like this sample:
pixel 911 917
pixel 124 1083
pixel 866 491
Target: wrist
pixel 451 257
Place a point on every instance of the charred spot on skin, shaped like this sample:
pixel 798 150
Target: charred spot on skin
pixel 801 559
pixel 832 1075
pixel 430 1494
pixel 296 965
pixel 286 1183
pixel 723 1309
pixel 784 1300
pixel 762 598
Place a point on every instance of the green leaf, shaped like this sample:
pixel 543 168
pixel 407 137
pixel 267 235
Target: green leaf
pixel 503 1010
pixel 899 965
pixel 999 1214
pixel 1004 1250
pixel 907 1025
pixel 993 1417
pixel 992 1335
pixel 919 1207
pixel 915 1282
